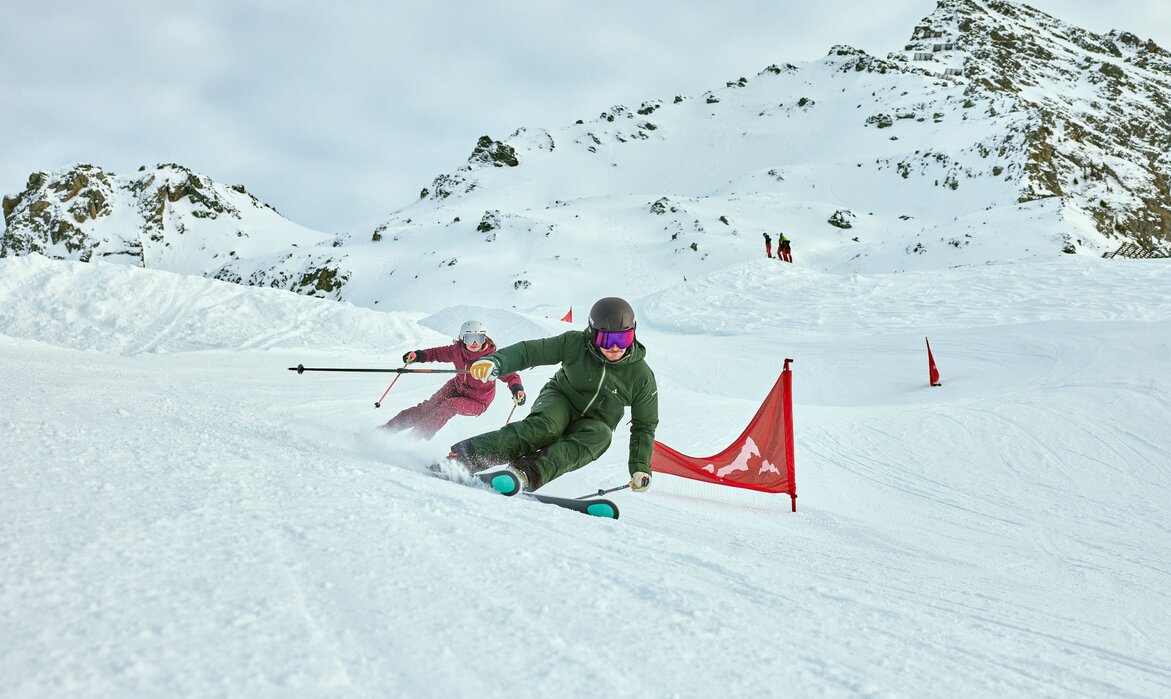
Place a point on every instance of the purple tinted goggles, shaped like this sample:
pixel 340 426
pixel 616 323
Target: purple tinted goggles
pixel 621 339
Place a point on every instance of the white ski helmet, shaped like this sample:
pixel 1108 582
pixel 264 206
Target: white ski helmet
pixel 473 327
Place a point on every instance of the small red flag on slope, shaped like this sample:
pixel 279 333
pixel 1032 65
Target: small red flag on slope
pixel 569 316
pixel 933 372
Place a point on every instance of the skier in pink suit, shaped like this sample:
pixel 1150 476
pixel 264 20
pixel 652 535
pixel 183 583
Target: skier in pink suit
pixel 462 395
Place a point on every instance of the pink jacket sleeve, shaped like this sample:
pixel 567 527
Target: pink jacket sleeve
pixel 513 381
pixel 445 353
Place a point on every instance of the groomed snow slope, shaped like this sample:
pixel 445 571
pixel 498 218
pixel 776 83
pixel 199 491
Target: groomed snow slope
pixel 182 516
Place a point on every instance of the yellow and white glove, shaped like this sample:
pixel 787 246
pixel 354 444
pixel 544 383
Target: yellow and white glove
pixel 640 481
pixel 485 370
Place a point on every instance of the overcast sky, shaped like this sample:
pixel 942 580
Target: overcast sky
pixel 339 113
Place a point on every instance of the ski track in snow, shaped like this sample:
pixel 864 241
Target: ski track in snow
pixel 183 516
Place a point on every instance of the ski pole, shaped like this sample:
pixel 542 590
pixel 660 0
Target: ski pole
pixel 378 403
pixel 603 492
pixel 510 412
pixel 301 368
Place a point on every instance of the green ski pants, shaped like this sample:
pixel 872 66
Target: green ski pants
pixel 569 441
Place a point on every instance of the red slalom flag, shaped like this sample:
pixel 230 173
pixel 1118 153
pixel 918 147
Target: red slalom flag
pixel 933 372
pixel 569 316
pixel 760 459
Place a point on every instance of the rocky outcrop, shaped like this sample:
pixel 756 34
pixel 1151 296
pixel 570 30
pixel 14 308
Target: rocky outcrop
pixel 487 152
pixel 310 273
pixel 52 216
pixel 69 214
pixel 164 217
pixel 1099 106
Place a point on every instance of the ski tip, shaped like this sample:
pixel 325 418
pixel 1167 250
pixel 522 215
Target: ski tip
pixel 505 483
pixel 603 509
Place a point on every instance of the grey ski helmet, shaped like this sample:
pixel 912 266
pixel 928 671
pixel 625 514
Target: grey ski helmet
pixel 473 327
pixel 612 313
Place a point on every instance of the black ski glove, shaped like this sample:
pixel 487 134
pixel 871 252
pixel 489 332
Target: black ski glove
pixel 518 394
pixel 414 356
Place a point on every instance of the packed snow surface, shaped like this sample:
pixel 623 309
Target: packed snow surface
pixel 183 516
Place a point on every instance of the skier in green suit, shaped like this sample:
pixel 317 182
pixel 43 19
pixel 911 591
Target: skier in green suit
pixel 603 370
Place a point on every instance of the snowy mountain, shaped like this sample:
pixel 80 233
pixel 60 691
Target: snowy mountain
pixel 1000 133
pixel 1101 106
pixel 167 217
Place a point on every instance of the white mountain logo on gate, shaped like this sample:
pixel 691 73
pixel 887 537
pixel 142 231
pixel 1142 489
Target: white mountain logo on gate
pixel 741 462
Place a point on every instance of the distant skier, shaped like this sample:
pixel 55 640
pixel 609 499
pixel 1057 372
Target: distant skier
pixel 603 370
pixel 784 251
pixel 768 245
pixel 462 395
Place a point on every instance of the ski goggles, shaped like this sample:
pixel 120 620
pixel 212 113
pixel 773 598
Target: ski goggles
pixel 471 338
pixel 621 339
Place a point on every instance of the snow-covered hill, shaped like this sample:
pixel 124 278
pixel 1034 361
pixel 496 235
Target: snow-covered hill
pixel 183 516
pixel 999 134
pixel 167 217
pixel 995 136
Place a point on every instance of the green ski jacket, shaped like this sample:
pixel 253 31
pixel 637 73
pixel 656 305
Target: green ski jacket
pixel 596 388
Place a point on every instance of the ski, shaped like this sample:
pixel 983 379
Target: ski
pixel 507 484
pixel 597 507
pixel 502 482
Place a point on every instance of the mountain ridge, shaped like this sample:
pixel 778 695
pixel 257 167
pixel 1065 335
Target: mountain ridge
pixel 998 133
